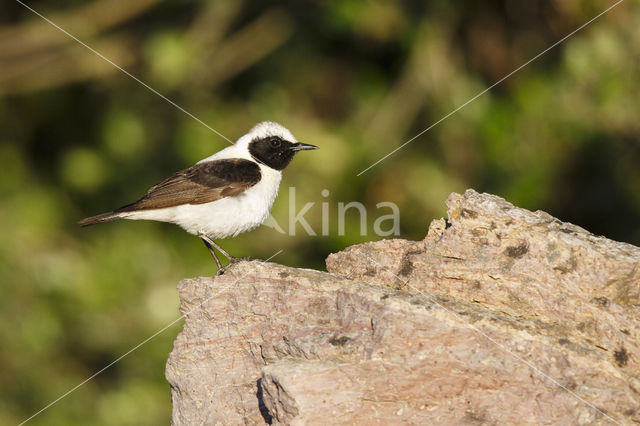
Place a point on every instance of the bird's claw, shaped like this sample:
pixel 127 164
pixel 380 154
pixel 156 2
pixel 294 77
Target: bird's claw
pixel 232 261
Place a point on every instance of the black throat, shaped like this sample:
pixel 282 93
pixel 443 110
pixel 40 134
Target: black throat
pixel 272 151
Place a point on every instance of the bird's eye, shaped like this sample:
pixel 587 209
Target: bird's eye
pixel 275 142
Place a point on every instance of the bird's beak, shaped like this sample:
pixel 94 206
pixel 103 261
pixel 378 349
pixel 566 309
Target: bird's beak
pixel 302 147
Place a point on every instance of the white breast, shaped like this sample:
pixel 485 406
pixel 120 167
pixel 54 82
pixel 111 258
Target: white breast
pixel 223 218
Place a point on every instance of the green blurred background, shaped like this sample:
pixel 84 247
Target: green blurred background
pixel 78 137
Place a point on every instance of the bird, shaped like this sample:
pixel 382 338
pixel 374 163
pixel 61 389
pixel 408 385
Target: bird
pixel 223 195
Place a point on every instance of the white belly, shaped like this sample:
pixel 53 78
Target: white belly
pixel 223 218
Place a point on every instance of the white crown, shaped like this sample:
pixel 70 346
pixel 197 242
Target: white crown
pixel 266 129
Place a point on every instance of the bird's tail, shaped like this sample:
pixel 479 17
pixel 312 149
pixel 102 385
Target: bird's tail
pixel 101 218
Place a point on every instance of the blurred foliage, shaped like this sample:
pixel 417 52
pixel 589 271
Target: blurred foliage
pixel 79 137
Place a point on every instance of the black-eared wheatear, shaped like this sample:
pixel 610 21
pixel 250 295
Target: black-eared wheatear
pixel 223 195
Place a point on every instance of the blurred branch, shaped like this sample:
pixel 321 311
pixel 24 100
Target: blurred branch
pixel 65 65
pixel 428 73
pixel 245 48
pixel 84 22
pixel 213 22
pixel 26 48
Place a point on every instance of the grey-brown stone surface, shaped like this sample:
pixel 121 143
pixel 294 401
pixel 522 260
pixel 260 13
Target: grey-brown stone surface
pixel 499 316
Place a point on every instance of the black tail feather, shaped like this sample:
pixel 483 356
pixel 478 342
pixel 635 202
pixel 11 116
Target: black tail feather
pixel 101 218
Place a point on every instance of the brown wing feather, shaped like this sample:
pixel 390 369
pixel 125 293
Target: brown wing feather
pixel 202 183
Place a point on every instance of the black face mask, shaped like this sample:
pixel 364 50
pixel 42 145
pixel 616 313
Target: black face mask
pixel 275 152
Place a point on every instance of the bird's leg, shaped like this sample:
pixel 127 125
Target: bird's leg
pixel 223 251
pixel 232 259
pixel 213 253
pixel 209 242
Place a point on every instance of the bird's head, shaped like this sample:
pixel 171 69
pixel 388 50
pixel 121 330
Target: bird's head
pixel 273 145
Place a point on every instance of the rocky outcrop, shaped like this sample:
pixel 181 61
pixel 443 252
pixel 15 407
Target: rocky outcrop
pixel 500 316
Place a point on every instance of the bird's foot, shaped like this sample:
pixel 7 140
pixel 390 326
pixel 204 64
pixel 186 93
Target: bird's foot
pixel 232 261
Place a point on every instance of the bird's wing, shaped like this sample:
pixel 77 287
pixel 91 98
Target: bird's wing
pixel 202 183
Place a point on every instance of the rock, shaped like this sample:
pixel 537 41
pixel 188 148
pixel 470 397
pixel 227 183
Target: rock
pixel 499 316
